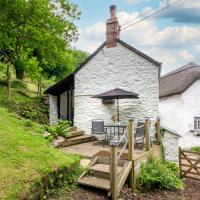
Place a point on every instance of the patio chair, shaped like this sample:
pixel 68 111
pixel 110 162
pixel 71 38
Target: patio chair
pixel 140 135
pixel 99 130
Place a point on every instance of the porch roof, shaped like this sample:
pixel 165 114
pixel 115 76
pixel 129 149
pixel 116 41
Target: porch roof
pixel 66 84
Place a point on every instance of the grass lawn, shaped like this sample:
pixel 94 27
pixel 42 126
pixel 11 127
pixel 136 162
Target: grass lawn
pixel 25 156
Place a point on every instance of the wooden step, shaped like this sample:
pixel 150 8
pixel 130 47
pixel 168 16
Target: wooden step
pixel 78 140
pixel 102 170
pixel 95 182
pixel 72 134
pixel 73 128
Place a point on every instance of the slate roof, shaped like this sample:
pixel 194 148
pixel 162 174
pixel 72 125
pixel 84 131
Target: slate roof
pixel 179 80
pixel 58 87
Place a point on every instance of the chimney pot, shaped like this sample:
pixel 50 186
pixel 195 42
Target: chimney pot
pixel 112 28
pixel 113 11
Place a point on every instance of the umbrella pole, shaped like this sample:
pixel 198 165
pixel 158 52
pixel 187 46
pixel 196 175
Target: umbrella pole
pixel 118 109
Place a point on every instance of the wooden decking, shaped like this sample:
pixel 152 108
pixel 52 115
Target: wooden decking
pixel 98 173
pixel 92 149
pixel 112 164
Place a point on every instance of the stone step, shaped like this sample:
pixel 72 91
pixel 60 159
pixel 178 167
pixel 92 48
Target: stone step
pixel 95 182
pixel 78 140
pixel 102 170
pixel 73 128
pixel 72 134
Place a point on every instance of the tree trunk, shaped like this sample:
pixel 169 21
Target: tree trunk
pixel 40 87
pixel 19 73
pixel 9 85
pixel 8 77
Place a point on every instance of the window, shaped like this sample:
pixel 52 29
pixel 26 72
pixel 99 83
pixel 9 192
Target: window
pixel 197 123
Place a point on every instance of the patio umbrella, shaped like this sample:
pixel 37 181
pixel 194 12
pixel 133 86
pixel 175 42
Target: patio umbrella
pixel 117 94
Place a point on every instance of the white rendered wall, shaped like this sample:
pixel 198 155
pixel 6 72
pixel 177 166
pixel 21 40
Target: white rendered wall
pixel 171 146
pixel 53 112
pixel 111 68
pixel 178 112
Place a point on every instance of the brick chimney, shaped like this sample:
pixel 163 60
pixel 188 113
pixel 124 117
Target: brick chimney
pixel 112 28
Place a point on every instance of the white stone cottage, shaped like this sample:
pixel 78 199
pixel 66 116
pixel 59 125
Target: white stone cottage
pixel 180 103
pixel 115 64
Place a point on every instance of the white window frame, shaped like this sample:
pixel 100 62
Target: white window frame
pixel 196 123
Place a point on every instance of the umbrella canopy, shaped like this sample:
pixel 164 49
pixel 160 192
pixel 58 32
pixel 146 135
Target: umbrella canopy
pixel 117 94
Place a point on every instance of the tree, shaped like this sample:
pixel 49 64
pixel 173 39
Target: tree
pixel 79 57
pixel 35 35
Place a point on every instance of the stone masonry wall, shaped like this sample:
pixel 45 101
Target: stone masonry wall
pixel 53 112
pixel 171 146
pixel 111 68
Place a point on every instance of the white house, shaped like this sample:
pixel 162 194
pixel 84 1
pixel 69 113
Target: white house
pixel 180 103
pixel 115 64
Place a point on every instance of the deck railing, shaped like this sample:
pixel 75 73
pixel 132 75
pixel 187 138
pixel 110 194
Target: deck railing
pixel 116 182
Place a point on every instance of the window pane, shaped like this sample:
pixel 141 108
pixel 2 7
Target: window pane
pixel 197 123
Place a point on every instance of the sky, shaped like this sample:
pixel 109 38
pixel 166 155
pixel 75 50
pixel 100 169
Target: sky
pixel 171 37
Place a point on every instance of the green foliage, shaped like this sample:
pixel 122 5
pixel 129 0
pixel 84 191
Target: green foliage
pixel 60 129
pixel 158 174
pixel 79 57
pixel 172 167
pixel 18 84
pixel 27 157
pixel 35 111
pixel 162 131
pixel 28 123
pixel 196 149
pixel 35 35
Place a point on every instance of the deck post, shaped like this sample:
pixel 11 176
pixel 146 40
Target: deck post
pixel 147 136
pixel 180 168
pixel 131 151
pixel 158 130
pixel 113 172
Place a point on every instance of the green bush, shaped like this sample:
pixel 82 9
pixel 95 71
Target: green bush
pixel 28 123
pixel 158 174
pixel 18 84
pixel 60 129
pixel 172 167
pixel 34 111
pixel 14 84
pixel 196 149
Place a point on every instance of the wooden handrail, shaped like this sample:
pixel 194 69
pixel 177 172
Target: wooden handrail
pixel 140 126
pixel 125 145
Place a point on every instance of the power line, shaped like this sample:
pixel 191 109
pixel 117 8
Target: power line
pixel 140 15
pixel 152 14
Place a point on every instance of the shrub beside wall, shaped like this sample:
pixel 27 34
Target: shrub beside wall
pixel 64 177
pixel 158 174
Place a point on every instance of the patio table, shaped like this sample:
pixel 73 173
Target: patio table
pixel 115 129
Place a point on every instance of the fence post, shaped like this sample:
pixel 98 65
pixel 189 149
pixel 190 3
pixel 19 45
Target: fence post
pixel 9 85
pixel 180 169
pixel 113 172
pixel 40 87
pixel 158 130
pixel 131 151
pixel 147 136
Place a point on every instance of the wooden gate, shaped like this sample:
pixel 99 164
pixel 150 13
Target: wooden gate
pixel 189 163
